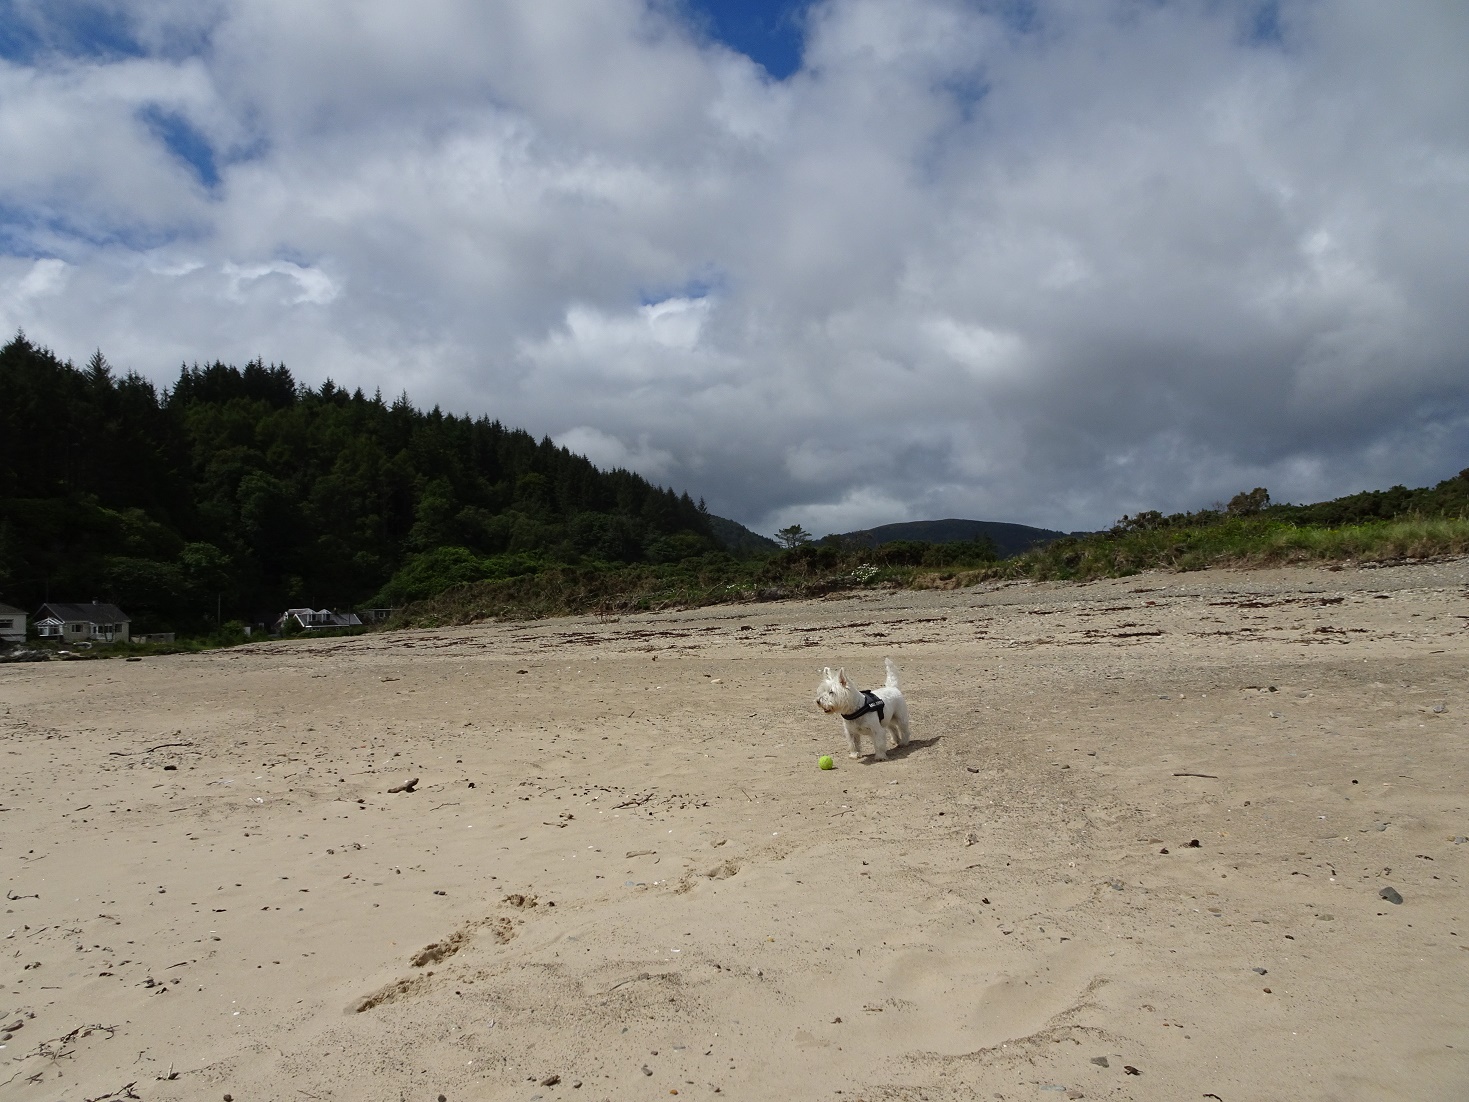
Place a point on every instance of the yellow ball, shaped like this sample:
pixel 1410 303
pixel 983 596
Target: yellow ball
pixel 825 762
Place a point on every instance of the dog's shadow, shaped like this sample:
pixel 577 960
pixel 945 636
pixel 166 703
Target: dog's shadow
pixel 904 750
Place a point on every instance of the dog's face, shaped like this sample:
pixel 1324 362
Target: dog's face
pixel 834 692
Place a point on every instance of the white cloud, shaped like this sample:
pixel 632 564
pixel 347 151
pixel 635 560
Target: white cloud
pixel 300 285
pixel 1122 257
pixel 46 277
pixel 610 453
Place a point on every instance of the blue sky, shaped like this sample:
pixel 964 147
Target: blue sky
pixel 838 263
pixel 768 31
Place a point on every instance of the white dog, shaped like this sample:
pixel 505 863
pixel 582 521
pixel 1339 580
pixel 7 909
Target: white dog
pixel 876 711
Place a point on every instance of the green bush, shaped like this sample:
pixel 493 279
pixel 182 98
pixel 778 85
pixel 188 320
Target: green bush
pixel 432 572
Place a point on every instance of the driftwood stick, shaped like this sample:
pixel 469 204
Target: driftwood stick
pixel 132 753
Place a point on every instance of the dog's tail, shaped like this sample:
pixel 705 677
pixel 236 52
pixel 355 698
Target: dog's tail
pixel 892 673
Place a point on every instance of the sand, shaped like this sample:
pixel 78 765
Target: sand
pixel 1135 851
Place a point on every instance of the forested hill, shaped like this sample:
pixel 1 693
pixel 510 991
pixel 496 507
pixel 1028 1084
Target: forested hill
pixel 1009 539
pixel 247 492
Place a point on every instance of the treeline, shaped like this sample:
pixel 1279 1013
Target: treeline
pixel 1449 498
pixel 240 492
pixel 1376 525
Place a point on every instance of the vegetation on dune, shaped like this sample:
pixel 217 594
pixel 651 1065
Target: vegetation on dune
pixel 1238 542
pixel 805 570
pixel 1248 532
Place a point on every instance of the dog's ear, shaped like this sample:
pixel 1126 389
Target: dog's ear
pixel 842 678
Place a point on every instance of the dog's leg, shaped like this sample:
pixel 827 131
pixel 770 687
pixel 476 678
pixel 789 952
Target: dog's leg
pixel 893 729
pixel 853 750
pixel 879 742
pixel 900 718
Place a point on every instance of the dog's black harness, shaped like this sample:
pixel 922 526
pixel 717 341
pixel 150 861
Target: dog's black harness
pixel 871 702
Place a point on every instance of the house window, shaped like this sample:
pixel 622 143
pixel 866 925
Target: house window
pixel 7 623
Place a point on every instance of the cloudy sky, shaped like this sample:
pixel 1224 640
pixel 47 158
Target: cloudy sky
pixel 840 263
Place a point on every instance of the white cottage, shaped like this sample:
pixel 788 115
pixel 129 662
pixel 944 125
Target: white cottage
pixel 308 619
pixel 79 623
pixel 12 625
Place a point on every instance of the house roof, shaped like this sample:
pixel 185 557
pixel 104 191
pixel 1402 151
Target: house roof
pixel 6 610
pixel 93 612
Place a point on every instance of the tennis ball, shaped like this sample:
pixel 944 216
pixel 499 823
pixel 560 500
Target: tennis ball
pixel 825 762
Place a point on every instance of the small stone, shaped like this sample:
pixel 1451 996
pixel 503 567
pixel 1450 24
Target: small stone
pixel 1260 971
pixel 443 1098
pixel 647 1070
pixel 1390 894
pixel 1439 709
pixel 550 1080
pixel 229 1098
pixel 1379 826
pixel 1460 839
pixel 1116 885
pixel 1130 1069
pixel 1101 1061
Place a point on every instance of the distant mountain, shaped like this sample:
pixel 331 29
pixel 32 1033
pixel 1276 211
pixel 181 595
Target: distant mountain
pixel 738 539
pixel 1009 539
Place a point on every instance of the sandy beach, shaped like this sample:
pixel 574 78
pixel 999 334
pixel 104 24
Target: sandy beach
pixel 1138 849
